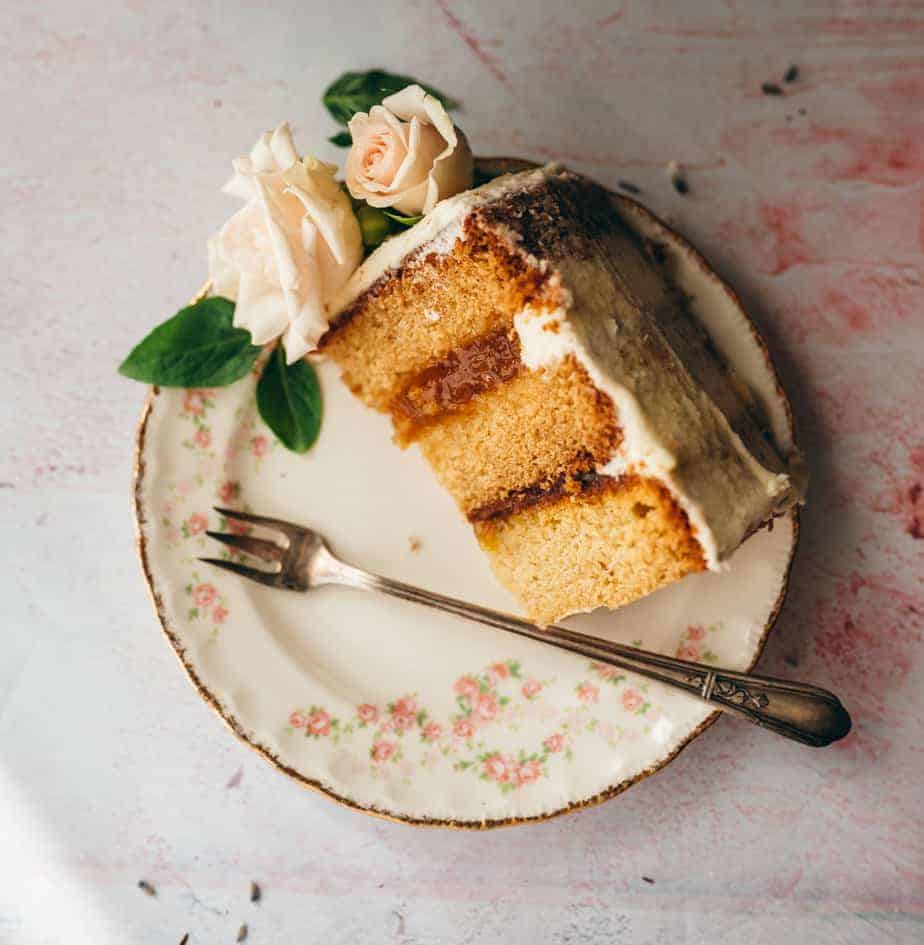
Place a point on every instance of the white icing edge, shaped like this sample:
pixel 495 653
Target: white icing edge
pixel 438 230
pixel 640 450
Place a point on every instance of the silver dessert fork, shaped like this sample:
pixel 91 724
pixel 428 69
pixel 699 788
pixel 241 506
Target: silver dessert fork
pixel 303 562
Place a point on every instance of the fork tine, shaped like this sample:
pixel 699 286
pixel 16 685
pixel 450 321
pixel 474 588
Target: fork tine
pixel 266 550
pixel 270 579
pixel 287 528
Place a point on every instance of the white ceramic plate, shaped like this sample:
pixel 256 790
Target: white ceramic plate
pixel 381 704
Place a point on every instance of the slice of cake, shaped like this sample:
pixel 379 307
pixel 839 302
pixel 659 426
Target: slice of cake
pixel 532 346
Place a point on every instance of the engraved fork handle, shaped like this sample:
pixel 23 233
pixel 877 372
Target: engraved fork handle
pixel 801 712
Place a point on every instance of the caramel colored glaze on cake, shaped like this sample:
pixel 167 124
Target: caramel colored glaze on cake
pixel 454 380
pixel 440 304
pixel 525 434
pixel 530 345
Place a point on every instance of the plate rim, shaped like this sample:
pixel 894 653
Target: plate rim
pixel 138 471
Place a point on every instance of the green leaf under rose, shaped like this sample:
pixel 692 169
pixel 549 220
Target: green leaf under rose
pixel 198 347
pixel 358 91
pixel 289 401
pixel 343 139
pixel 402 219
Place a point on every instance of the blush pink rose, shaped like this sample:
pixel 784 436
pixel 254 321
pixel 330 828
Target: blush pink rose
pixel 219 614
pixel 632 700
pixel 228 490
pixel 588 693
pixel 203 438
pixel 297 720
pixel 367 713
pixel 499 768
pixel 687 651
pixel 289 249
pixel 382 751
pixel 237 527
pixel 554 743
pixel 528 772
pixel 463 728
pixel 484 707
pixel 196 523
pixel 407 154
pixel 431 732
pixel 695 633
pixel 466 686
pixel 258 445
pixel 532 688
pixel 204 594
pixel 319 723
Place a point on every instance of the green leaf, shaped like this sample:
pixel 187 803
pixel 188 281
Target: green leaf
pixel 373 225
pixel 289 400
pixel 343 139
pixel 404 221
pixel 358 91
pixel 198 347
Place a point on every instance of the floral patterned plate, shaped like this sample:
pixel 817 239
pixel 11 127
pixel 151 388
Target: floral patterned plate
pixel 387 707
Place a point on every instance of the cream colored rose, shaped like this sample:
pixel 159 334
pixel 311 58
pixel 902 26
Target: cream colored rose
pixel 283 255
pixel 407 154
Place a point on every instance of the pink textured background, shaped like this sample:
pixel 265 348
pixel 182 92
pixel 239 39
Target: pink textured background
pixel 120 120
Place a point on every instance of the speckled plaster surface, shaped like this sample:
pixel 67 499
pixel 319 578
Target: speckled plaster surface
pixel 120 121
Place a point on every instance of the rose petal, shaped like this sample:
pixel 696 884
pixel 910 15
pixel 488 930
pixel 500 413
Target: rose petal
pixel 222 274
pixel 452 168
pixel 295 242
pixel 425 144
pixel 260 308
pixel 282 148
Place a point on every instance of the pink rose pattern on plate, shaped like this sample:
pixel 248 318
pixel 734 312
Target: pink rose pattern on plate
pixel 196 407
pixel 487 702
pixel 693 643
pixel 207 605
pixel 496 699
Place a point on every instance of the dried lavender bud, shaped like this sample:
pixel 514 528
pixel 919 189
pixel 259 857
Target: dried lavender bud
pixel 791 74
pixel 771 88
pixel 242 932
pixel 254 892
pixel 146 888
